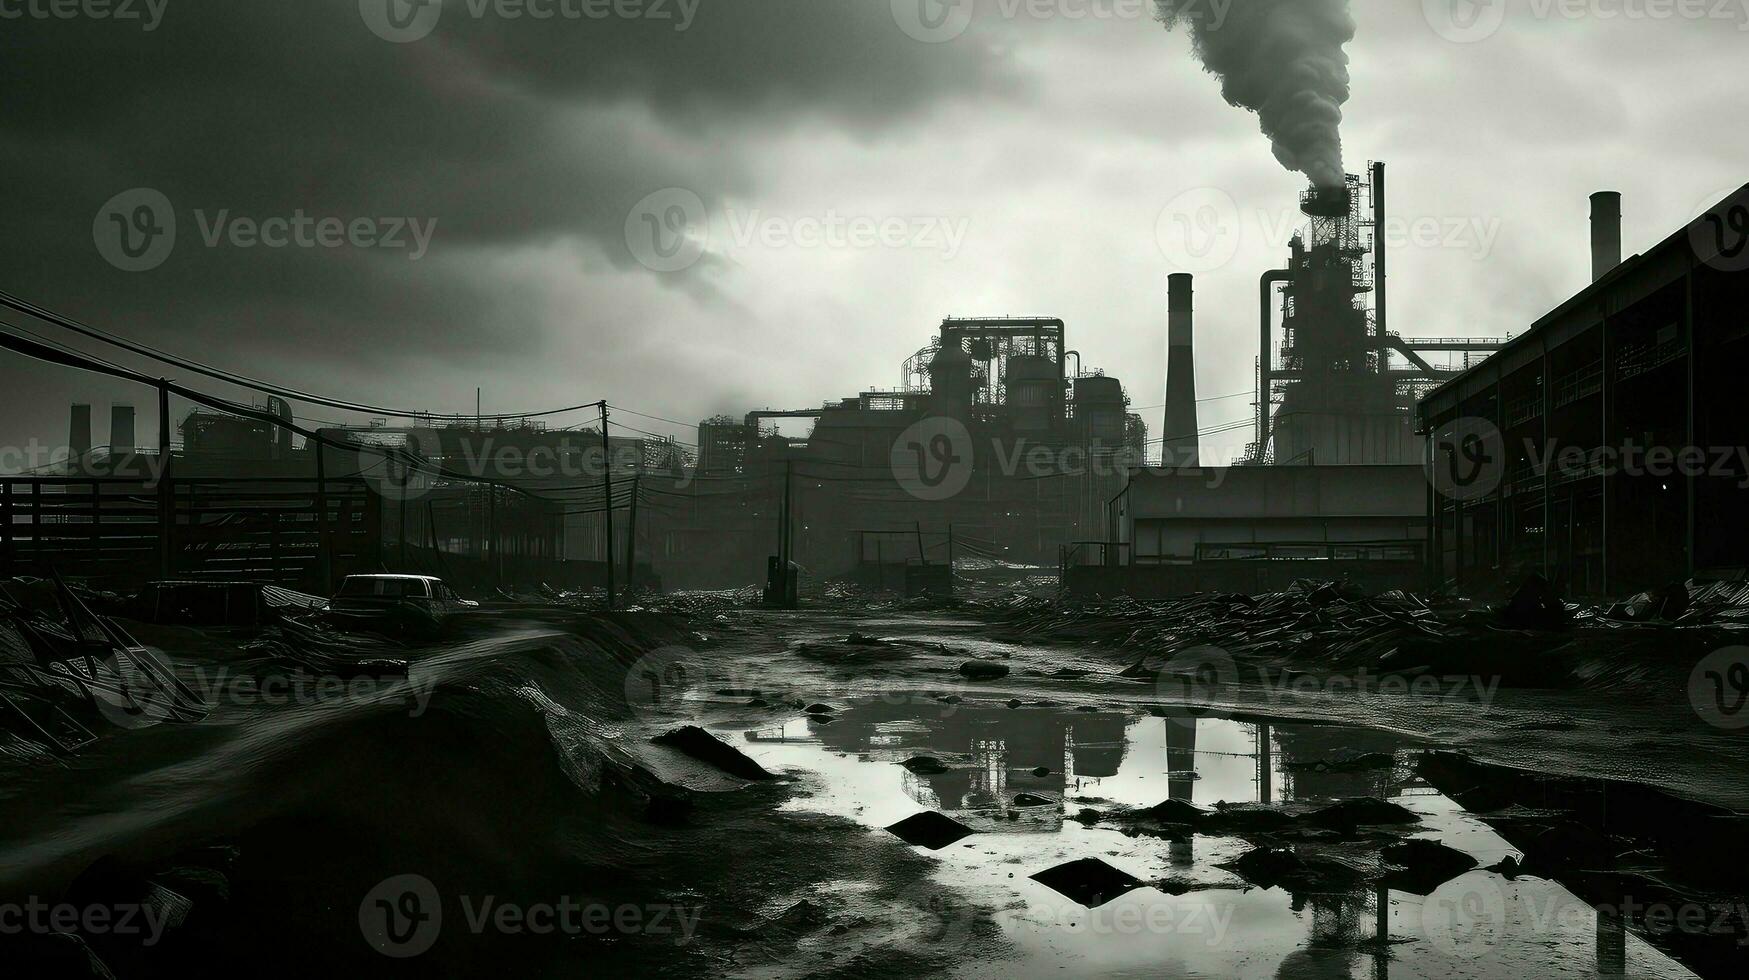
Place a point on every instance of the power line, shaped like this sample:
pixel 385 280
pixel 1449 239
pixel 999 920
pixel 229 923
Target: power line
pixel 230 377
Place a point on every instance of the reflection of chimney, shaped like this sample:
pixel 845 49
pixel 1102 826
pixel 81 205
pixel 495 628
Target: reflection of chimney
pixel 79 436
pixel 1181 447
pixel 1605 233
pixel 121 430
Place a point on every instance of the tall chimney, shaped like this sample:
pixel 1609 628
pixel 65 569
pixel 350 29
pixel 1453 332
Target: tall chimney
pixel 1181 446
pixel 79 437
pixel 1605 233
pixel 1381 306
pixel 121 430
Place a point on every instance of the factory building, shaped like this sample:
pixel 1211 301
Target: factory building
pixel 1029 443
pixel 1332 486
pixel 1604 447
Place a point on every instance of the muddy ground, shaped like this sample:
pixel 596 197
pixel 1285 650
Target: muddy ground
pixel 1051 817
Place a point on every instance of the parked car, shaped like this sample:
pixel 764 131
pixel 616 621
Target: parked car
pixel 397 603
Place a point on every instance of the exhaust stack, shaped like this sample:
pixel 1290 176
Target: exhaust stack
pixel 1605 233
pixel 1181 447
pixel 121 430
pixel 79 437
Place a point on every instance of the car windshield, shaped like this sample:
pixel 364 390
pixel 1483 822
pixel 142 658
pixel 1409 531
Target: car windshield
pixel 391 587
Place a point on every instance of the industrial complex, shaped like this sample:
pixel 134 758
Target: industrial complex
pixel 999 448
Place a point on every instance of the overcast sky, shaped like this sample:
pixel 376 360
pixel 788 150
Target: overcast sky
pixel 1018 163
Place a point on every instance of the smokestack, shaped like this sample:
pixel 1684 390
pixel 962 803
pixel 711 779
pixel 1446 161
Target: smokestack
pixel 79 436
pixel 1285 61
pixel 1181 446
pixel 1379 273
pixel 121 430
pixel 1605 233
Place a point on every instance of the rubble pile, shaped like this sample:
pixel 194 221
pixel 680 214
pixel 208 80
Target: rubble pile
pixel 1332 626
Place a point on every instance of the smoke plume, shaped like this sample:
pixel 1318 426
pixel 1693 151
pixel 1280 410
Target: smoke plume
pixel 1283 60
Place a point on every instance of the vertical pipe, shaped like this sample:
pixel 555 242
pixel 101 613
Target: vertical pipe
pixel 1378 258
pixel 632 536
pixel 1691 435
pixel 607 498
pixel 324 558
pixel 166 500
pixel 1265 346
pixel 1605 233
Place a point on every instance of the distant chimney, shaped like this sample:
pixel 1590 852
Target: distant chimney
pixel 79 436
pixel 1605 233
pixel 121 430
pixel 1181 447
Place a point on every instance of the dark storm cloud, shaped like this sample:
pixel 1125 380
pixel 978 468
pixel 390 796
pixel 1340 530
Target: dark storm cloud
pixel 507 131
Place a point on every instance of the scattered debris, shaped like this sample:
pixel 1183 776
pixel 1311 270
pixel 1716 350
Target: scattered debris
pixel 931 830
pixel 1423 865
pixel 1089 881
pixel 1347 815
pixel 707 748
pixel 983 670
pixel 1271 867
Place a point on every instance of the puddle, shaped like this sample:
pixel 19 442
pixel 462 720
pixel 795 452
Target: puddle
pixel 1189 917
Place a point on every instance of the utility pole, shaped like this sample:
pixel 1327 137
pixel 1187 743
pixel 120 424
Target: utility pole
pixel 632 537
pixel 166 496
pixel 607 498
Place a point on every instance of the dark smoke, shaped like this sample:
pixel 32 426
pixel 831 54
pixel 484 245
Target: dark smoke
pixel 1283 60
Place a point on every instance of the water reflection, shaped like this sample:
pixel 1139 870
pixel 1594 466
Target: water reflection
pixel 1105 760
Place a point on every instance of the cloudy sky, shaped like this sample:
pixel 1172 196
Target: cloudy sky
pixel 717 205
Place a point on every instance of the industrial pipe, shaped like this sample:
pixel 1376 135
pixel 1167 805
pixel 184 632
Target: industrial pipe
pixel 1265 347
pixel 1605 233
